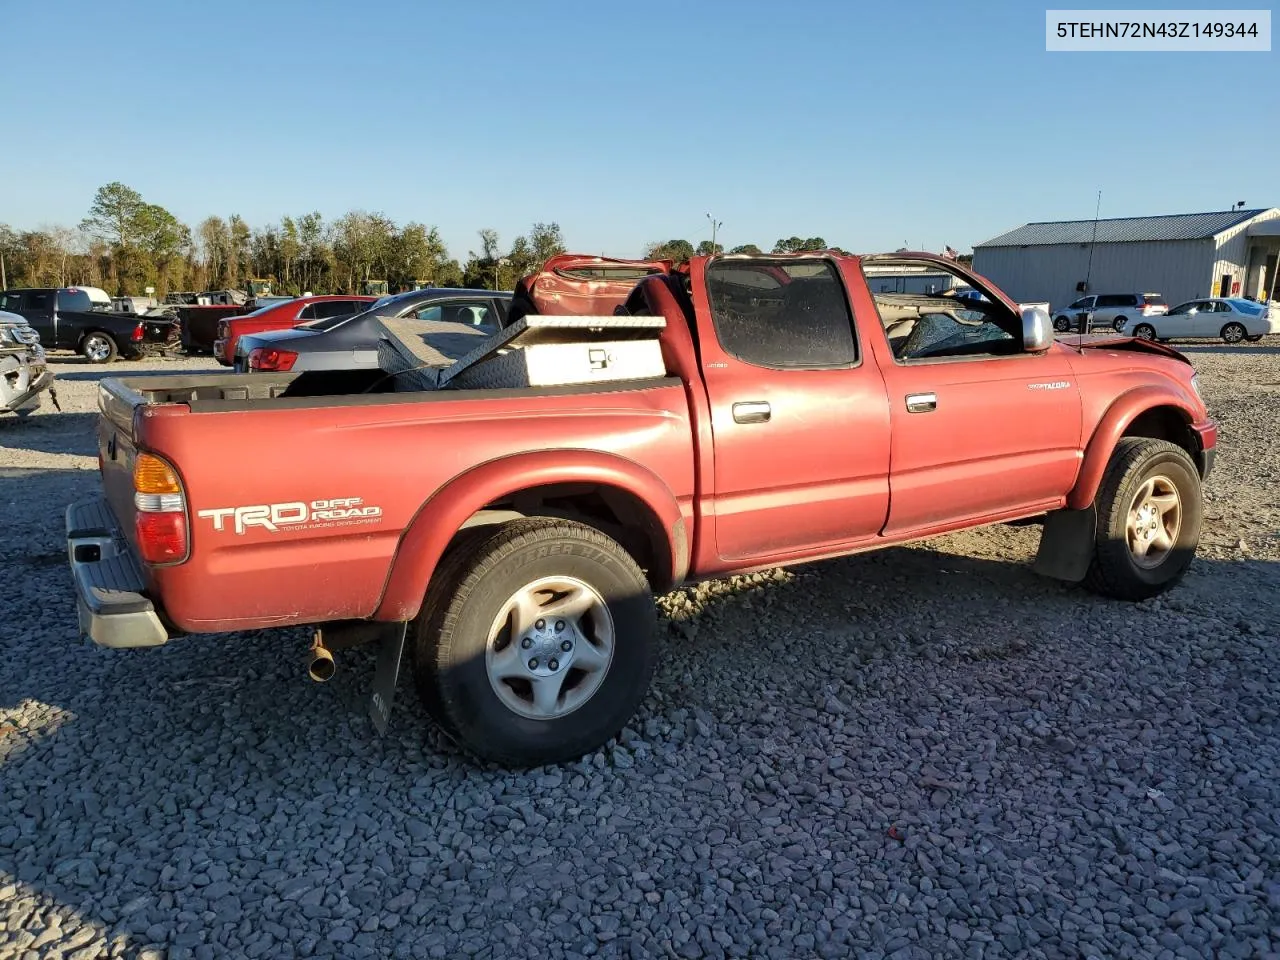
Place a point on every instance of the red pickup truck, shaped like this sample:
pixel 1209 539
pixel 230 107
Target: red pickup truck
pixel 513 539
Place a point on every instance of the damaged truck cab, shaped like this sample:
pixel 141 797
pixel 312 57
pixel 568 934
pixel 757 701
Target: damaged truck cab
pixel 732 414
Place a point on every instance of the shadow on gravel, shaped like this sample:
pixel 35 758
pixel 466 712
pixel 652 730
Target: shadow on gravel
pixel 50 432
pixel 203 792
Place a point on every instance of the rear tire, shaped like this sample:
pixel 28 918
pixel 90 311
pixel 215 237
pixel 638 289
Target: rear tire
pixel 99 347
pixel 479 630
pixel 1118 324
pixel 1233 332
pixel 1149 513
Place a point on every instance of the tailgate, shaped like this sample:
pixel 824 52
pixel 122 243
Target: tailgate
pixel 117 450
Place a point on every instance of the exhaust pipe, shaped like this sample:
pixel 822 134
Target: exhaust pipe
pixel 320 666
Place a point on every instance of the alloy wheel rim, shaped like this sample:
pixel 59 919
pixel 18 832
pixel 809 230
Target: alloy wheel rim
pixel 550 648
pixel 1153 522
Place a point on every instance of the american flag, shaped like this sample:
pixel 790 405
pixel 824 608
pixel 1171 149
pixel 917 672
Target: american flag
pixel 950 253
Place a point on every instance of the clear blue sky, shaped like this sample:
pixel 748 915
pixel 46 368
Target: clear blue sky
pixel 869 124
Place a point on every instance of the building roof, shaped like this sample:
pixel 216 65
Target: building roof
pixel 1177 226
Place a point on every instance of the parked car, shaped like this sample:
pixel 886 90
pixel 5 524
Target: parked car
pixel 281 315
pixel 1230 318
pixel 351 342
pixel 1110 310
pixel 76 318
pixel 513 538
pixel 23 372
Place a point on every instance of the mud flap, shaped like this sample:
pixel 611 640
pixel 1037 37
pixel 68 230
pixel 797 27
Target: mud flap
pixel 1066 544
pixel 387 671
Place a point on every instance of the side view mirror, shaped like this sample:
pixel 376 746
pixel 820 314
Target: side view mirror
pixel 1037 330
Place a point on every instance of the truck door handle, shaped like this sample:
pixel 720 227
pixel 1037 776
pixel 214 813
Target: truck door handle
pixel 752 411
pixel 922 402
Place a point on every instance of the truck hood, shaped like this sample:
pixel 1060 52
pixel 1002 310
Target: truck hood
pixel 1108 341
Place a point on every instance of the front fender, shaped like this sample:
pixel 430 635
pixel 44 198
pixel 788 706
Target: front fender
pixel 444 512
pixel 1123 411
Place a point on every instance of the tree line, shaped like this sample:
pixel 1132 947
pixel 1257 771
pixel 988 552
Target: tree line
pixel 125 244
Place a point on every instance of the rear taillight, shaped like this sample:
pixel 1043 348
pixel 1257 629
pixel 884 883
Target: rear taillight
pixel 137 333
pixel 266 358
pixel 161 518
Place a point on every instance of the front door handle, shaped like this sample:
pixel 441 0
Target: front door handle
pixel 922 402
pixel 752 411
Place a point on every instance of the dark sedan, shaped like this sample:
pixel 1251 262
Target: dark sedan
pixel 351 342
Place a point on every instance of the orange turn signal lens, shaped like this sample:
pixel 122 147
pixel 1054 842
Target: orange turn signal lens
pixel 153 475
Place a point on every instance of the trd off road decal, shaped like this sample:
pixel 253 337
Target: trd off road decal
pixel 343 512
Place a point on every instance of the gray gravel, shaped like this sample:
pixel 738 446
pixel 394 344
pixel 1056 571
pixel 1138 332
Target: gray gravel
pixel 927 752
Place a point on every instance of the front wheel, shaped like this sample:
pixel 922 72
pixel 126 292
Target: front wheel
pixel 1061 324
pixel 98 347
pixel 1149 511
pixel 536 643
pixel 1233 333
pixel 1145 331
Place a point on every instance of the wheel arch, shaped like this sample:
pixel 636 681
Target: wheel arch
pixel 1141 412
pixel 622 498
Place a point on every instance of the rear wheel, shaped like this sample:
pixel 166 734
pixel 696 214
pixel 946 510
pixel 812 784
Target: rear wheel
pixel 536 643
pixel 1149 511
pixel 1119 323
pixel 98 347
pixel 1145 331
pixel 1233 332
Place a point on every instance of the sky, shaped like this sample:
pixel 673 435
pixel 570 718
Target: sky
pixel 872 125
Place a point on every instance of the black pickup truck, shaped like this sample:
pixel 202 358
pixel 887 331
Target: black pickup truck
pixel 73 318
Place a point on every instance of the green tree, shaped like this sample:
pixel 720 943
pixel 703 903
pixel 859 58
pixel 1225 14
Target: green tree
pixel 238 262
pixel 797 245
pixel 677 250
pixel 705 249
pixel 113 214
pixel 750 248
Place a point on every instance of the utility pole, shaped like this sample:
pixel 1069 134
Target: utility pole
pixel 4 280
pixel 1086 316
pixel 715 224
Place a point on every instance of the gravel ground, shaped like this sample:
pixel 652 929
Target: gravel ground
pixel 926 752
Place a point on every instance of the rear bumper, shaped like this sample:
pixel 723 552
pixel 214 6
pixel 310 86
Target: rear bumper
pixel 114 610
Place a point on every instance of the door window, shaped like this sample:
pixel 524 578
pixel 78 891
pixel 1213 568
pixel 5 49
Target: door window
pixel 74 300
pixel 11 302
pixel 782 314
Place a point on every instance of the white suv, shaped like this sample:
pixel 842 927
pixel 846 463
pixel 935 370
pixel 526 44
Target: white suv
pixel 1111 310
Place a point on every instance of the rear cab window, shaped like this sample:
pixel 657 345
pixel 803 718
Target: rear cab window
pixel 782 313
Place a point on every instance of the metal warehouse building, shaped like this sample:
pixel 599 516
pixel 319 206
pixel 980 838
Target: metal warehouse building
pixel 1181 256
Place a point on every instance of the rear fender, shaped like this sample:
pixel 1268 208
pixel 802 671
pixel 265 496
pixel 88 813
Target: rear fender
pixel 1126 408
pixel 444 513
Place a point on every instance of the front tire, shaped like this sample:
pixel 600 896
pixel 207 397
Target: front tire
pixel 1061 324
pixel 1233 333
pixel 1144 331
pixel 536 643
pixel 1149 512
pixel 99 347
